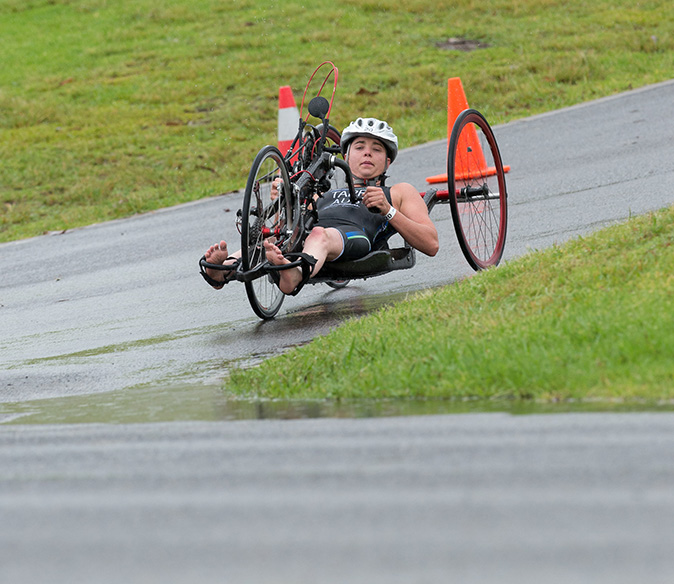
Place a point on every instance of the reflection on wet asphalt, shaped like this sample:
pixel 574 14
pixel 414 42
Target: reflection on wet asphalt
pixel 210 403
pixel 196 393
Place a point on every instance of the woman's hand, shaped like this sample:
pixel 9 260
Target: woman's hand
pixel 374 198
pixel 275 184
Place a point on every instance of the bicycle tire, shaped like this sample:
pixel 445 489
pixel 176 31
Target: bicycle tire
pixel 265 217
pixel 477 190
pixel 333 135
pixel 333 138
pixel 337 284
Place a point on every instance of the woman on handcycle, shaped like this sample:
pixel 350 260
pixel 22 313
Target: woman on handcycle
pixel 345 230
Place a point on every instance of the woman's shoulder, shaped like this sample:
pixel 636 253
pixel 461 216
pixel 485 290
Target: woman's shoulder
pixel 404 190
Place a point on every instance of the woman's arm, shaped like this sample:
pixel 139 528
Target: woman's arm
pixel 411 219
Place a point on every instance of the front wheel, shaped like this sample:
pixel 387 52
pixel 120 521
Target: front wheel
pixel 266 214
pixel 308 149
pixel 477 190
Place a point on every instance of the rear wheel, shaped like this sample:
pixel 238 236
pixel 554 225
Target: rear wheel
pixel 477 190
pixel 266 216
pixel 337 284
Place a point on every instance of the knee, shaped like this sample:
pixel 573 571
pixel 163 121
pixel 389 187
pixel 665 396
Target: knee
pixel 317 237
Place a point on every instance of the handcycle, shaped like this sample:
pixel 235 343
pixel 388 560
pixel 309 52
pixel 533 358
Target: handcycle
pixel 281 191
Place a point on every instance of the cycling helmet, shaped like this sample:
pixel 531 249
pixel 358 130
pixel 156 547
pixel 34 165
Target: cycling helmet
pixel 373 128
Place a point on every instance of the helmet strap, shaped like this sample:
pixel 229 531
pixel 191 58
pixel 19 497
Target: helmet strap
pixel 370 182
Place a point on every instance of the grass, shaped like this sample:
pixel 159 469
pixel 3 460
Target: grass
pixel 590 320
pixel 108 109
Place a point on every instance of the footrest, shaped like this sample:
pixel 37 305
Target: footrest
pixel 373 264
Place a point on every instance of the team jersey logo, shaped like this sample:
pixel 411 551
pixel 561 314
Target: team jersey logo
pixel 342 198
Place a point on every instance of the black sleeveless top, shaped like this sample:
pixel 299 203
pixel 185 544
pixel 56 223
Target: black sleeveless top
pixel 335 209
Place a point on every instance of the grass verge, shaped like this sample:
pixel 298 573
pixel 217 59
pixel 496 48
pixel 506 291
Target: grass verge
pixel 113 108
pixel 590 320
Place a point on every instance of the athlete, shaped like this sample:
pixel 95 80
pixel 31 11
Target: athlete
pixel 348 231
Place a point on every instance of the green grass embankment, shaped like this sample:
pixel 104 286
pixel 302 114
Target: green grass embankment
pixel 590 320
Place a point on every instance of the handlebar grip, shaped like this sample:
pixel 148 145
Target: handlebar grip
pixel 349 180
pixel 347 172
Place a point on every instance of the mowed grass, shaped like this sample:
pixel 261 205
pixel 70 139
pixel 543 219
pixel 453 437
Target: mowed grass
pixel 592 320
pixel 113 108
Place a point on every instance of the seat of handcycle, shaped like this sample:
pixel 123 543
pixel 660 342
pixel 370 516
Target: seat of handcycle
pixel 379 261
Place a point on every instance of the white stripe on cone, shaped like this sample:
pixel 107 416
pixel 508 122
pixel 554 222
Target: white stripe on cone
pixel 288 118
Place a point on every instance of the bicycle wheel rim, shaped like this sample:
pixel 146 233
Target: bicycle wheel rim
pixel 263 218
pixel 478 196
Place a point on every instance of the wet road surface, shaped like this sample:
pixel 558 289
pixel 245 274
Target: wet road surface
pixel 476 498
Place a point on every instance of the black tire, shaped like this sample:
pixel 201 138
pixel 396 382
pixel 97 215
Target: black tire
pixel 333 139
pixel 477 190
pixel 261 218
pixel 333 136
pixel 337 284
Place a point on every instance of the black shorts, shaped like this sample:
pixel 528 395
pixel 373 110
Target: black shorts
pixel 356 243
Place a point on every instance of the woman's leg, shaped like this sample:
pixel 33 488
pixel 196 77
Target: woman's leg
pixel 324 244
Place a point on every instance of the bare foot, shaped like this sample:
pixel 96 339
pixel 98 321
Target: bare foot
pixel 289 278
pixel 217 254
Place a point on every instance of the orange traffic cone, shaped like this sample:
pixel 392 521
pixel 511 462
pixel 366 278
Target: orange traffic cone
pixel 468 142
pixel 470 162
pixel 288 118
pixel 456 102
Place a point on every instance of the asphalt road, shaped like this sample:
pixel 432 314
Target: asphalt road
pixel 468 499
pixel 114 310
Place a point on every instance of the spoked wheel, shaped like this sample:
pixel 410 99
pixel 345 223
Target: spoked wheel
pixel 477 190
pixel 266 216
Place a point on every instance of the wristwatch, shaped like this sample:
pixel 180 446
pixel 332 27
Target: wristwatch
pixel 391 213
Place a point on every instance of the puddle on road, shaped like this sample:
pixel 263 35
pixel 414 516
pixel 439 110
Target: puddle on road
pixel 211 403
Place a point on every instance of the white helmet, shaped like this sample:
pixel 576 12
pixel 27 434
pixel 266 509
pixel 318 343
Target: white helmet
pixel 373 128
